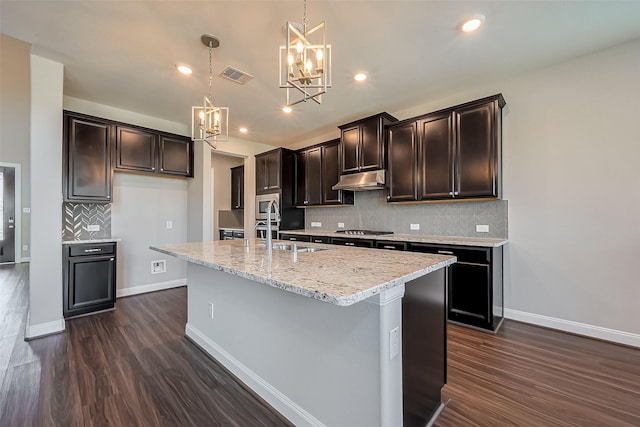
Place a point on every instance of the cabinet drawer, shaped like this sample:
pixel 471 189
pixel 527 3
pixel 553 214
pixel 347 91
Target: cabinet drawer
pixel 360 243
pixel 92 249
pixel 471 255
pixel 295 237
pixel 320 239
pixel 396 246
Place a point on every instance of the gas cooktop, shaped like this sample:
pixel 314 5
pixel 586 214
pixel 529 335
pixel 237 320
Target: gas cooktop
pixel 364 232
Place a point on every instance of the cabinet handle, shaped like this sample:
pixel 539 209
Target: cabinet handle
pixel 388 197
pixel 445 252
pixel 349 244
pixel 292 238
pixel 153 168
pixel 451 193
pixel 87 251
pixel 265 188
pixel 388 247
pixel 317 241
pixel 455 193
pixel 112 259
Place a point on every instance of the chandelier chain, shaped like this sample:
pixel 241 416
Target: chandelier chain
pixel 305 21
pixel 210 72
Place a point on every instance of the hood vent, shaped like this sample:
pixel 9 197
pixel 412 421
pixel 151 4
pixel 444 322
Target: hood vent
pixel 362 181
pixel 236 75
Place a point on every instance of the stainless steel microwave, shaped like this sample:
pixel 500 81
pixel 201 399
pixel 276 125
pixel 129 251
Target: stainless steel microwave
pixel 262 202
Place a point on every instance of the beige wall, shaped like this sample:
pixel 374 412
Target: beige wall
pixel 221 165
pixel 15 117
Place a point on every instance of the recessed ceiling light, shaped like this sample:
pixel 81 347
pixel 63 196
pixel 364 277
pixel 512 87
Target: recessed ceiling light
pixel 360 77
pixel 243 130
pixel 472 24
pixel 184 69
pixel 286 109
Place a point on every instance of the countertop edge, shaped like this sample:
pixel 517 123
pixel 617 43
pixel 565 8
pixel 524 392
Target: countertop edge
pixel 91 241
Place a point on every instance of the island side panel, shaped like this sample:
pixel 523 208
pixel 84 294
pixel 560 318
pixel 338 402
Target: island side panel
pixel 317 363
pixel 424 347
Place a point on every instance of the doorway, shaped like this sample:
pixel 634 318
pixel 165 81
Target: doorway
pixel 7 215
pixel 225 216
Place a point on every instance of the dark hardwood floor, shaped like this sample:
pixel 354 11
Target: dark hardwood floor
pixel 133 367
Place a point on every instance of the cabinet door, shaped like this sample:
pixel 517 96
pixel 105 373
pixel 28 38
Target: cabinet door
pixel 476 151
pixel 402 153
pixel 176 156
pixel 436 157
pixel 350 141
pixel 87 149
pixel 91 284
pixel 294 237
pixel 135 149
pixel 313 177
pixel 344 241
pixel 371 150
pixel 470 294
pixel 261 174
pixel 273 171
pixel 331 176
pixel 301 184
pixel 237 187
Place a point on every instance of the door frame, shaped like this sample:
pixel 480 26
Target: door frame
pixel 18 206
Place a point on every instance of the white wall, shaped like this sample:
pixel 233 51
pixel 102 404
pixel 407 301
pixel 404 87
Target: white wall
pixel 45 269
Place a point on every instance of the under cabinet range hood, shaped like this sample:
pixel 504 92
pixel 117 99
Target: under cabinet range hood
pixel 361 181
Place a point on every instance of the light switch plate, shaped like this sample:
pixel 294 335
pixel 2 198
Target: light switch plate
pixel 341 225
pixel 93 227
pixel 414 226
pixel 26 210
pixel 316 224
pixel 482 228
pixel 169 225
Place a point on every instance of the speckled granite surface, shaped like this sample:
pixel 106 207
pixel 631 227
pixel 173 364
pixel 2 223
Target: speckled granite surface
pixel 339 275
pixel 105 240
pixel 444 240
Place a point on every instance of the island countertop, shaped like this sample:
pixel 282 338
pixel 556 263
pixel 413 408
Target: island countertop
pixel 338 275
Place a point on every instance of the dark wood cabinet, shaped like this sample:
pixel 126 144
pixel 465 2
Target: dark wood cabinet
pixel 475 290
pixel 136 149
pixel 391 245
pixel 176 155
pixel 89 277
pixel 458 151
pixel 295 237
pixel 317 171
pixel 403 166
pixel 268 171
pixel 237 187
pixel 347 241
pixel 362 144
pixel 87 169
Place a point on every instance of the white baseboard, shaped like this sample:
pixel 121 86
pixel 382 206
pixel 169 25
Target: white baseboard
pixel 25 259
pixel 152 287
pixel 294 413
pixel 42 329
pixel 598 332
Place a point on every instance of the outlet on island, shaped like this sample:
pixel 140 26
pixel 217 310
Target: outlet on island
pixel 159 266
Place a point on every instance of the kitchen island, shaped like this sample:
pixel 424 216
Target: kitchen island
pixel 338 336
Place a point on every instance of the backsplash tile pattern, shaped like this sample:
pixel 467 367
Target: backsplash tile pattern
pixel 77 216
pixel 371 211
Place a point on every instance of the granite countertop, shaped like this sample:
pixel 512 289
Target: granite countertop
pixel 339 275
pixel 100 240
pixel 417 238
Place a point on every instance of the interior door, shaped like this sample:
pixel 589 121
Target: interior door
pixel 7 214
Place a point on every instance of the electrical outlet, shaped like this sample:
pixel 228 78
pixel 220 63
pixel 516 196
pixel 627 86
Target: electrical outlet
pixel 341 225
pixel 316 224
pixel 26 210
pixel 414 226
pixel 394 342
pixel 482 228
pixel 169 225
pixel 25 247
pixel 93 227
pixel 159 266
pixel 211 310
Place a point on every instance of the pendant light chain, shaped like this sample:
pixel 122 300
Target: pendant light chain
pixel 210 72
pixel 305 21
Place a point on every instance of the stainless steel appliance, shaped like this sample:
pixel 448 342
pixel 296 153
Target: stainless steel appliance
pixel 231 234
pixel 262 203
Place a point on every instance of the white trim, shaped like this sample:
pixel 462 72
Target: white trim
pixel 25 259
pixel 152 287
pixel 592 331
pixel 42 329
pixel 387 296
pixel 17 199
pixel 294 413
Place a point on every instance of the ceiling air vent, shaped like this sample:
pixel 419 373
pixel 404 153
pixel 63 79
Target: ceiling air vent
pixel 236 75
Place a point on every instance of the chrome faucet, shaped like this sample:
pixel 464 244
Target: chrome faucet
pixel 272 203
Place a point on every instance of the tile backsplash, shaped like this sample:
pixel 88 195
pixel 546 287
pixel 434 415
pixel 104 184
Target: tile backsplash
pixel 77 217
pixel 371 211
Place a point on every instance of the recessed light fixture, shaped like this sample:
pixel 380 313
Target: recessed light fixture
pixel 360 77
pixel 472 24
pixel 243 130
pixel 184 69
pixel 286 109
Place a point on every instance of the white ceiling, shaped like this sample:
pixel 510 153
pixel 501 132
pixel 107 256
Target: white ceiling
pixel 124 53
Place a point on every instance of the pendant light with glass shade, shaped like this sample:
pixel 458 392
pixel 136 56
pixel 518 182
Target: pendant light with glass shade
pixel 305 61
pixel 208 122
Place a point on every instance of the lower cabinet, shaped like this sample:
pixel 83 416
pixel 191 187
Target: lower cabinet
pixel 475 290
pixel 295 237
pixel 345 241
pixel 89 275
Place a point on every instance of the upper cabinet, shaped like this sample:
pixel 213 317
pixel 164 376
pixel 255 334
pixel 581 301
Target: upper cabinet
pixel 237 187
pixel 268 171
pixel 150 151
pixel 362 144
pixel 87 171
pixel 450 154
pixel 317 171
